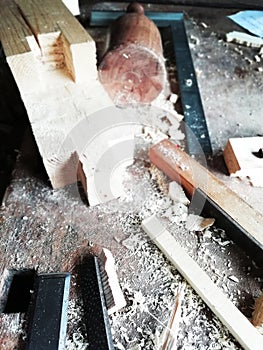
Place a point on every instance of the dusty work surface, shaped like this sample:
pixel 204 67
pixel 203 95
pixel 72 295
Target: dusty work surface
pixel 48 229
pixel 229 78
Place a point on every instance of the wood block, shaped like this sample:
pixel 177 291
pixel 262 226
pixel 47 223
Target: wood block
pixel 133 68
pixel 73 6
pixel 180 167
pixel 242 158
pixel 53 60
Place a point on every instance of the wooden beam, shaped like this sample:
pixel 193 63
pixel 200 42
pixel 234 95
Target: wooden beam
pixel 53 60
pixel 245 333
pixel 184 169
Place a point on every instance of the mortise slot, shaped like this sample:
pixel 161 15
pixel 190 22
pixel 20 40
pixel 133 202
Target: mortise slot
pixel 16 290
pixel 259 153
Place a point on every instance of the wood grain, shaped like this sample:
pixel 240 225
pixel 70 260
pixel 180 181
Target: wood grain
pixel 133 69
pixel 179 166
pixel 53 61
pixel 223 308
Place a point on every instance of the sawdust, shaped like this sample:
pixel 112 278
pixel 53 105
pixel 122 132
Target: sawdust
pixel 149 282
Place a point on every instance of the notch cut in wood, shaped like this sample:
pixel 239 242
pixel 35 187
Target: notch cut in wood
pixel 240 327
pixel 40 37
pixel 53 61
pixel 242 158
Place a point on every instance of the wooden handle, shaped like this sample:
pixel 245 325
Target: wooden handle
pixel 133 69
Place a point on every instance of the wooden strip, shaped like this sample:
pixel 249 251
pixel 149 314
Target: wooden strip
pixel 246 334
pixel 180 167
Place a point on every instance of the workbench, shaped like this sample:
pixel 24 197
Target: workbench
pixel 46 229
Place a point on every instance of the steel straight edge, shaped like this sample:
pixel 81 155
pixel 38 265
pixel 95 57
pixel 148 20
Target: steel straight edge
pixel 224 4
pixel 234 230
pixel 161 19
pixel 197 135
pixel 48 321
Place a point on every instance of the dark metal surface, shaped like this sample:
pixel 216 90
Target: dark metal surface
pixel 47 329
pixel 234 231
pixel 196 127
pixel 15 294
pixel 13 122
pixel 95 311
pixel 230 4
pixel 194 116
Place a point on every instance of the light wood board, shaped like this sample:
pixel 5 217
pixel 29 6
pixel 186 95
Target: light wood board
pixel 53 60
pixel 240 327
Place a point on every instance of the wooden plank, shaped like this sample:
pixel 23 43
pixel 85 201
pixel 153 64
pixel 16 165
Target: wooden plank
pixel 246 334
pixel 184 169
pixel 53 60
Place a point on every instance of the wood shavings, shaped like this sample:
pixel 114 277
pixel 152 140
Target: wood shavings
pixel 233 278
pixel 194 39
pixel 148 281
pixel 173 98
pixel 77 339
pixel 176 193
pixel 244 39
pixel 132 242
pixel 168 340
pixel 197 223
pixel 177 213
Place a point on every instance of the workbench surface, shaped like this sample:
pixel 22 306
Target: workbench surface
pixel 48 229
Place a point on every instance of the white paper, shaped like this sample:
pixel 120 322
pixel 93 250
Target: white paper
pixel 250 20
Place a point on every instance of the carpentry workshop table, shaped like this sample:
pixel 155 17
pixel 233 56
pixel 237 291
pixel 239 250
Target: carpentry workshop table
pixel 48 230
